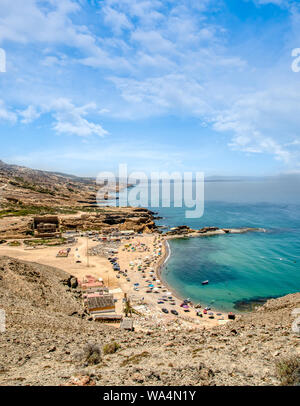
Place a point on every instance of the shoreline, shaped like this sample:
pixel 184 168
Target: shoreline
pixel 159 274
pixel 146 250
pixel 153 269
pixel 160 268
pixel 194 234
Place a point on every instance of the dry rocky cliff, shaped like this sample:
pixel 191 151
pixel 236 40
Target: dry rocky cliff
pixel 105 220
pixel 26 193
pixel 47 333
pixel 22 186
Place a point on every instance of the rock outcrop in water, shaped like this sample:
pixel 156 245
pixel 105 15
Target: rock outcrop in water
pixel 207 231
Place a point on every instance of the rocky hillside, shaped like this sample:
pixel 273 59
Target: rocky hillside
pixel 25 193
pixel 104 219
pixel 49 340
pixel 24 186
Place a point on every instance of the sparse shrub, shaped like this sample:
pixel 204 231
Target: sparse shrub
pixel 14 243
pixel 111 348
pixel 288 370
pixel 92 353
pixel 135 359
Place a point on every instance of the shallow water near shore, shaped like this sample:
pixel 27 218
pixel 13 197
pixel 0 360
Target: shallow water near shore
pixel 241 268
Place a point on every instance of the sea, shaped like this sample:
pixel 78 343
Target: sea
pixel 243 270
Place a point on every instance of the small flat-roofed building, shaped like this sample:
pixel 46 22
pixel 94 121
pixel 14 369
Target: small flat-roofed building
pixel 108 317
pixel 46 226
pixel 93 287
pixel 100 304
pixel 87 295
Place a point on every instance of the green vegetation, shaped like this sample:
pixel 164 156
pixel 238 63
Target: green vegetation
pixel 111 348
pixel 92 354
pixel 49 242
pixel 128 309
pixel 22 183
pixel 288 370
pixel 34 210
pixel 14 244
pixel 135 359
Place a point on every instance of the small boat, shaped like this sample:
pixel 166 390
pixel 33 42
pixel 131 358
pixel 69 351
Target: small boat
pixel 205 282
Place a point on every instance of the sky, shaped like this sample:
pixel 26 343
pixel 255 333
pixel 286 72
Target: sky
pixel 159 85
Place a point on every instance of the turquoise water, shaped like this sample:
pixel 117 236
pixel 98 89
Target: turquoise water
pixel 239 267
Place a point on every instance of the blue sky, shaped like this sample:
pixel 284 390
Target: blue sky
pixel 188 85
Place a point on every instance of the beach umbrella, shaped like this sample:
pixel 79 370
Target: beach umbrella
pixel 185 306
pixel 169 293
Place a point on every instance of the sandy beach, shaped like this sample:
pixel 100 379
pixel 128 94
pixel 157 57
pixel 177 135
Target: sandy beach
pixel 141 259
pixel 151 264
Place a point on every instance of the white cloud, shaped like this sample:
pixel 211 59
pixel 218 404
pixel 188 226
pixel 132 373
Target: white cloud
pixel 153 41
pixel 276 2
pixel 29 115
pixel 50 22
pixel 145 10
pixel 264 122
pixel 117 20
pixel 72 120
pixel 173 59
pixel 158 95
pixel 68 118
pixel 52 60
pixel 30 22
pixel 6 114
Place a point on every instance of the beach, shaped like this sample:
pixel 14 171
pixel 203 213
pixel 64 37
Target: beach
pixel 141 257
